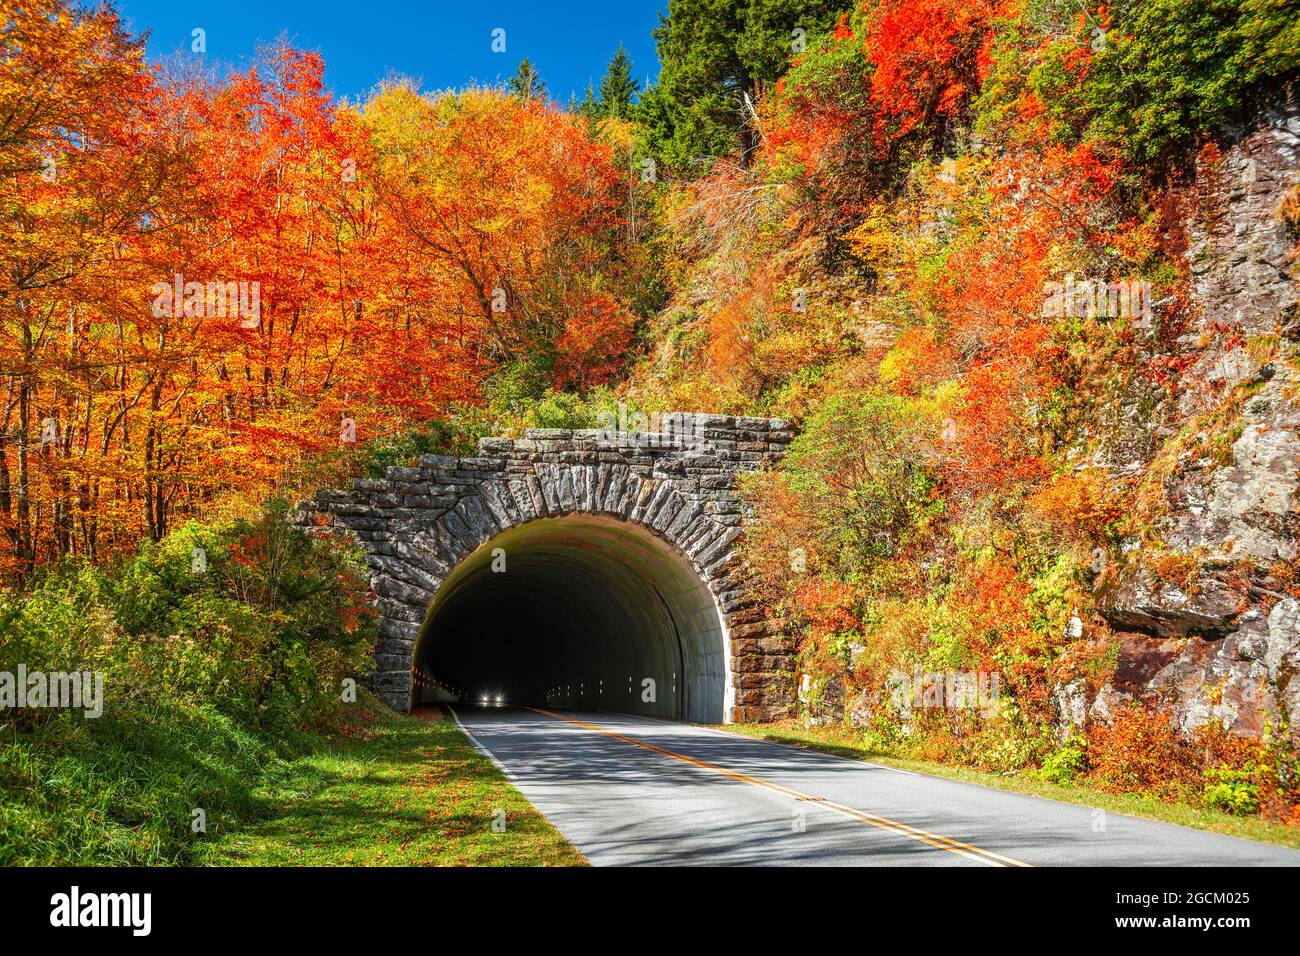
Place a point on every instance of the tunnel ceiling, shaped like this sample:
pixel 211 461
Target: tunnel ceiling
pixel 621 561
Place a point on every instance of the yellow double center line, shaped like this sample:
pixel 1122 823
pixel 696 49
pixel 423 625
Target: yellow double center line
pixel 987 857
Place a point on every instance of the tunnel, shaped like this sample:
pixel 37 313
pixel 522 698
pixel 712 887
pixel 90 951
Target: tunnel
pixel 582 613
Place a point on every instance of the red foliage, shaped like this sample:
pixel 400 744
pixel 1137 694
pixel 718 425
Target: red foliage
pixel 827 604
pixel 1140 751
pixel 925 54
pixel 370 250
pixel 592 348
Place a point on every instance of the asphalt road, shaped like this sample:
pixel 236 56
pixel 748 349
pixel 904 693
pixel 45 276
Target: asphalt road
pixel 628 790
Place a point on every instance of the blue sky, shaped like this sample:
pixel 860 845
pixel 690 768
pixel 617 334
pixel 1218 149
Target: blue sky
pixel 444 44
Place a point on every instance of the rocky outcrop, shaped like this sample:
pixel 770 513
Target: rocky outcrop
pixel 1242 681
pixel 1222 644
pixel 1247 510
pixel 1240 254
pixel 1141 601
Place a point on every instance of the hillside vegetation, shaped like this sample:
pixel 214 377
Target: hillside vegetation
pixel 1020 271
pixel 926 242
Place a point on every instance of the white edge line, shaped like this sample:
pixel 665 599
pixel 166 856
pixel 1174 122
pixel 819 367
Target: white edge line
pixel 478 745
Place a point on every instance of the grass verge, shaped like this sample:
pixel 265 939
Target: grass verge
pixel 122 790
pixel 844 744
pixel 408 791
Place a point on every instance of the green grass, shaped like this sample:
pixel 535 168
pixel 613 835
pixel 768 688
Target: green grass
pixel 844 743
pixel 407 792
pixel 120 790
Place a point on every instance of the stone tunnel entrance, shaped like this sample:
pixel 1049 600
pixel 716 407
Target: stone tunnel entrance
pixel 618 581
pixel 582 613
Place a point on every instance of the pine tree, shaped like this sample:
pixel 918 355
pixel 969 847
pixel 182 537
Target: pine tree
pixel 589 107
pixel 716 57
pixel 526 83
pixel 618 87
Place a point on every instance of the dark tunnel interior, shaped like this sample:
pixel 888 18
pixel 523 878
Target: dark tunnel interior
pixel 577 613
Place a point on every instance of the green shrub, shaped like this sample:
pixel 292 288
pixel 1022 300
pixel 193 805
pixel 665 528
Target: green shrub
pixel 455 436
pixel 857 466
pixel 1232 790
pixel 1066 764
pixel 264 632
pixel 559 410
pixel 1171 70
pixel 209 671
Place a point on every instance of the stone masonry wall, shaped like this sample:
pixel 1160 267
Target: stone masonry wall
pixel 418 523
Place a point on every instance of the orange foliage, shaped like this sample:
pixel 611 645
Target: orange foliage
pixel 1075 507
pixel 1140 751
pixel 336 268
pixel 991 447
pixel 732 334
pixel 827 604
pixel 992 598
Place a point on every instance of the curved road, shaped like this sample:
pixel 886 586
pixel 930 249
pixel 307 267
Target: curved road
pixel 629 790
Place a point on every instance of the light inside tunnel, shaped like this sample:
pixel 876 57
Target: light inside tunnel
pixel 579 613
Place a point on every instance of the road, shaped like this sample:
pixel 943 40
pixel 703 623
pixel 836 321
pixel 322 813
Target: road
pixel 635 791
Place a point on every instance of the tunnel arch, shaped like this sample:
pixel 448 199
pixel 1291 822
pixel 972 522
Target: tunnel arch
pixel 583 612
pixel 645 526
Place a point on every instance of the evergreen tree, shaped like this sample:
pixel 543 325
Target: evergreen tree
pixel 618 87
pixel 589 107
pixel 526 83
pixel 715 58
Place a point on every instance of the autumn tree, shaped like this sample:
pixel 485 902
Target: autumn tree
pixel 77 177
pixel 212 282
pixel 510 204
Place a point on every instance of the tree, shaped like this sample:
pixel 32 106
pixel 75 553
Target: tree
pixel 77 175
pixel 202 276
pixel 592 346
pixel 589 107
pixel 618 87
pixel 526 83
pixel 925 58
pixel 503 198
pixel 1169 70
pixel 717 57
pixel 703 83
